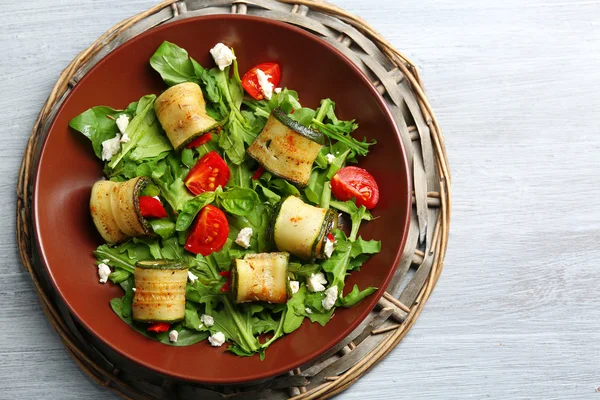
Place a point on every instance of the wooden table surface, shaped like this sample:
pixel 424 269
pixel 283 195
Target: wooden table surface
pixel 515 85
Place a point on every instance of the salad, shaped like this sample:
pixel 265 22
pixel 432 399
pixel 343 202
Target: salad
pixel 223 204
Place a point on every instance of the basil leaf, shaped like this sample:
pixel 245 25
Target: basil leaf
pixel 239 201
pixel 304 116
pixel 97 124
pixel 173 64
pixel 191 208
pixel 163 227
pixel 295 311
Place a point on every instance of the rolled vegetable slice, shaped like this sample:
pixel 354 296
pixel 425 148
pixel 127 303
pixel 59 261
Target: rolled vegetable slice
pixel 160 291
pixel 181 110
pixel 260 277
pixel 302 229
pixel 115 209
pixel 286 148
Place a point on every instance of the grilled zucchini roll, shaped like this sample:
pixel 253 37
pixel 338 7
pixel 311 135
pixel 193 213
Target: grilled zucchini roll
pixel 260 277
pixel 115 209
pixel 160 291
pixel 181 110
pixel 286 148
pixel 302 229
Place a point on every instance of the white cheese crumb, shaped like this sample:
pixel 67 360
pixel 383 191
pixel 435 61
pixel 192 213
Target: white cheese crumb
pixel 223 56
pixel 106 261
pixel 111 147
pixel 330 158
pixel 207 320
pixel 217 339
pixel 243 238
pixel 328 247
pixel 103 272
pixel 124 138
pixel 277 90
pixel 331 295
pixel 173 335
pixel 193 278
pixel 134 289
pixel 295 286
pixel 316 281
pixel 122 122
pixel 308 310
pixel 265 86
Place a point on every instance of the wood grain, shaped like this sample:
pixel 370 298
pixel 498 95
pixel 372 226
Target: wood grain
pixel 516 313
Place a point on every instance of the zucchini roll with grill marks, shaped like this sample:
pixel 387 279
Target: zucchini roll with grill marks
pixel 115 209
pixel 302 229
pixel 159 291
pixel 181 110
pixel 260 277
pixel 286 148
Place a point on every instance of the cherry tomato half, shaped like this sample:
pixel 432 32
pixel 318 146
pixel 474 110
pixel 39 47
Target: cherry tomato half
pixel 207 137
pixel 151 207
pixel 209 232
pixel 355 182
pixel 250 80
pixel 208 173
pixel 159 327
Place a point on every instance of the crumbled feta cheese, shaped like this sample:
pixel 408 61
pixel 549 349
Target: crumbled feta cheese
pixel 328 248
pixel 295 286
pixel 106 261
pixel 103 272
pixel 277 90
pixel 243 238
pixel 265 86
pixel 223 55
pixel 331 295
pixel 207 320
pixel 173 335
pixel 134 289
pixel 193 278
pixel 124 138
pixel 316 281
pixel 111 147
pixel 308 310
pixel 122 122
pixel 217 339
pixel 330 158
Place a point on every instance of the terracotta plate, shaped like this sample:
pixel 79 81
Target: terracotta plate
pixel 67 169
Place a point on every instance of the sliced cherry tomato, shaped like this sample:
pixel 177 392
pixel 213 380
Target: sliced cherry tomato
pixel 208 173
pixel 209 232
pixel 330 237
pixel 207 137
pixel 259 171
pixel 151 207
pixel 355 182
pixel 159 327
pixel 250 80
pixel 227 285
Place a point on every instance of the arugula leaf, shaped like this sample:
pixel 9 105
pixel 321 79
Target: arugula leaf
pixel 118 276
pixel 173 64
pixel 357 214
pixel 355 296
pixel 191 208
pixel 116 256
pixel 98 124
pixel 304 116
pixel 140 125
pixel 361 246
pixel 164 227
pixel 295 311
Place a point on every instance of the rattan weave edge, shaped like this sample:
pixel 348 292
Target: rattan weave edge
pixel 401 86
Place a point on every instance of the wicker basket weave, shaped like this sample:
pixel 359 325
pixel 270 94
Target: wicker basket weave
pixel 397 79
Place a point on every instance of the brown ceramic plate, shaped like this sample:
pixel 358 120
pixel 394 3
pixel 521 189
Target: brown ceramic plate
pixel 67 169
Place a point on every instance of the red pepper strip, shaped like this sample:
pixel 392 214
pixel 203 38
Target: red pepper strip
pixel 259 171
pixel 152 207
pixel 159 327
pixel 227 285
pixel 330 237
pixel 207 137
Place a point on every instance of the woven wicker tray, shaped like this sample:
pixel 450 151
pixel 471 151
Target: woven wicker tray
pixel 397 79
